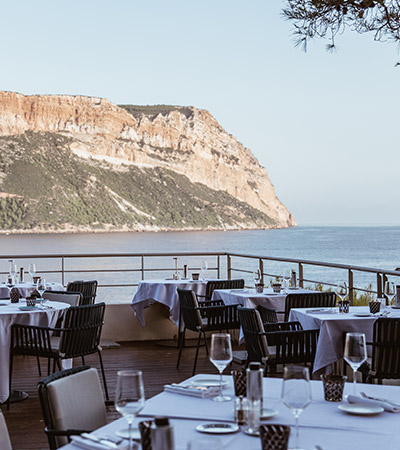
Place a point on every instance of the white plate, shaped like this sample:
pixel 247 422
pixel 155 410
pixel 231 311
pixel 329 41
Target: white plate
pixel 255 433
pixel 208 382
pixel 360 409
pixel 218 428
pixel 266 413
pixel 362 314
pixel 28 308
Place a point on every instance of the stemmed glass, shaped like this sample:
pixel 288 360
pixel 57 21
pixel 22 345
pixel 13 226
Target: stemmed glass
pixel 390 291
pixel 32 270
pixel 204 268
pixel 355 353
pixel 257 276
pixel 221 356
pixel 41 286
pixel 296 392
pixel 342 290
pixel 129 398
pixel 13 271
pixel 286 278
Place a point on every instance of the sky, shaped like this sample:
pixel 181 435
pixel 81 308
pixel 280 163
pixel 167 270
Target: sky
pixel 325 126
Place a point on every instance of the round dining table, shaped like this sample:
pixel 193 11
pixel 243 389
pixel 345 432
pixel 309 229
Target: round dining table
pixel 45 314
pixel 26 289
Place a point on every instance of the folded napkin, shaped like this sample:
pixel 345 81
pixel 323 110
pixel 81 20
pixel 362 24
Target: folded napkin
pixel 320 311
pixel 192 390
pixel 386 405
pixel 80 442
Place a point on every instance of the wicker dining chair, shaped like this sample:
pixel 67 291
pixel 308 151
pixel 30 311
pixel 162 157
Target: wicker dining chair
pixel 72 298
pixel 221 284
pixel 79 337
pixel 309 300
pixel 276 343
pixel 385 362
pixel 88 289
pixel 72 403
pixel 203 319
pixel 267 314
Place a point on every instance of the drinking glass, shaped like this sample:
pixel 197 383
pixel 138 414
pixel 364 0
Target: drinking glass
pixel 286 278
pixel 41 286
pixel 13 271
pixel 296 392
pixel 342 290
pixel 204 268
pixel 355 353
pixel 221 356
pixel 32 270
pixel 390 291
pixel 129 399
pixel 257 276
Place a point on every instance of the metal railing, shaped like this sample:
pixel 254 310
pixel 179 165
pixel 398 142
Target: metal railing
pixel 134 267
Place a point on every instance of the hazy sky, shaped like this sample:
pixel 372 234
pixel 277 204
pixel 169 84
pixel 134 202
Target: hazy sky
pixel 325 126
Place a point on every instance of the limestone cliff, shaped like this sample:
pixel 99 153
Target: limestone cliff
pixel 183 140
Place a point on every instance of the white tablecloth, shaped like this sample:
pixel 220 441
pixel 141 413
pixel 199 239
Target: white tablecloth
pixel 332 327
pixel 10 314
pixel 25 289
pixel 321 423
pixel 163 291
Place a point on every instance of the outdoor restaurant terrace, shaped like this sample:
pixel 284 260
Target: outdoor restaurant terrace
pixel 146 318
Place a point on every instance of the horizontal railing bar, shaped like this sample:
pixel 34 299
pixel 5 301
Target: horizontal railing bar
pixel 111 255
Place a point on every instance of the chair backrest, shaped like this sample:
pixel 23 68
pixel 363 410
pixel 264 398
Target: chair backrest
pixel 386 348
pixel 5 443
pixel 189 309
pixel 71 400
pixel 267 314
pixel 309 300
pixel 222 284
pixel 88 289
pixel 73 298
pixel 81 330
pixel 253 329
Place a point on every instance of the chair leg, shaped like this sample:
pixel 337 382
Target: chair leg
pixel 48 366
pixel 10 377
pixel 205 343
pixel 59 365
pixel 83 360
pixel 181 344
pixel 104 375
pixel 197 353
pixel 38 364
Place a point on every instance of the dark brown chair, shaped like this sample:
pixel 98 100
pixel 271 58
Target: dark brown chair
pixel 88 289
pixel 203 319
pixel 79 336
pixel 276 343
pixel 385 363
pixel 221 284
pixel 267 314
pixel 309 300
pixel 72 403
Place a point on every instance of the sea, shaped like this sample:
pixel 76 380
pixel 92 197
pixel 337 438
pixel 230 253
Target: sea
pixel 375 247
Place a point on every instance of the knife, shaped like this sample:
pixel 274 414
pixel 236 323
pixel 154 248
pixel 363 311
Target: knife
pixel 100 440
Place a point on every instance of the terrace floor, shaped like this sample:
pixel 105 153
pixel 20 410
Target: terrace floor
pixel 158 363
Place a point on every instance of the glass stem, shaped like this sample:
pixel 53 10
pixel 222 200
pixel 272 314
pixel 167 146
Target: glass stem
pixel 130 434
pixel 220 383
pixel 297 430
pixel 354 381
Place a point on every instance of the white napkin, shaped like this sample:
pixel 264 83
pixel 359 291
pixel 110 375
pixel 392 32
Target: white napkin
pixel 387 406
pixel 78 441
pixel 194 391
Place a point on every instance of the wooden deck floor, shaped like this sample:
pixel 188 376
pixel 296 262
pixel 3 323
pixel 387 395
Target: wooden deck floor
pixel 24 419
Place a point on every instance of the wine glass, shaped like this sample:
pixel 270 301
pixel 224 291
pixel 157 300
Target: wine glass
pixel 257 277
pixel 355 353
pixel 13 271
pixel 221 356
pixel 342 290
pixel 286 278
pixel 390 291
pixel 129 398
pixel 41 286
pixel 204 268
pixel 32 270
pixel 296 392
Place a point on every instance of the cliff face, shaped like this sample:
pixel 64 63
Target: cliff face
pixel 187 141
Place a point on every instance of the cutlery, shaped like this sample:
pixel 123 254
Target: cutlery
pixel 363 394
pixel 108 442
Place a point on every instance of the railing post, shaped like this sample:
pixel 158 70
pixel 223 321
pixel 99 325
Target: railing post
pixel 142 262
pixel 261 267
pixel 379 285
pixel 301 276
pixel 228 266
pixel 218 266
pixel 351 287
pixel 62 271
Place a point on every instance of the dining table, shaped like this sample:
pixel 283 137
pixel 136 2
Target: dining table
pixel 25 289
pixel 322 425
pixel 45 314
pixel 333 326
pixel 164 292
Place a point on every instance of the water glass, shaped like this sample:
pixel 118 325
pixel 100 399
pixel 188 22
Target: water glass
pixel 355 353
pixel 333 387
pixel 221 356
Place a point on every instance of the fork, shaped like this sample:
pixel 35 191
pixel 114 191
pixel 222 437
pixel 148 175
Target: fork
pixel 385 400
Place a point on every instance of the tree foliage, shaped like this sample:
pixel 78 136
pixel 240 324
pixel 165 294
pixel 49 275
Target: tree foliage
pixel 328 18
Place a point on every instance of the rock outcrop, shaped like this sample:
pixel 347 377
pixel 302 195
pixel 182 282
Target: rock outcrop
pixel 184 140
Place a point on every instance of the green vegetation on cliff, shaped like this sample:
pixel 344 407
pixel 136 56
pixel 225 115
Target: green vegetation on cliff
pixel 45 186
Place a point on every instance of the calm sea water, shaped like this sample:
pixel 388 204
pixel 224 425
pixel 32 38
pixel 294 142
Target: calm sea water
pixel 377 247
